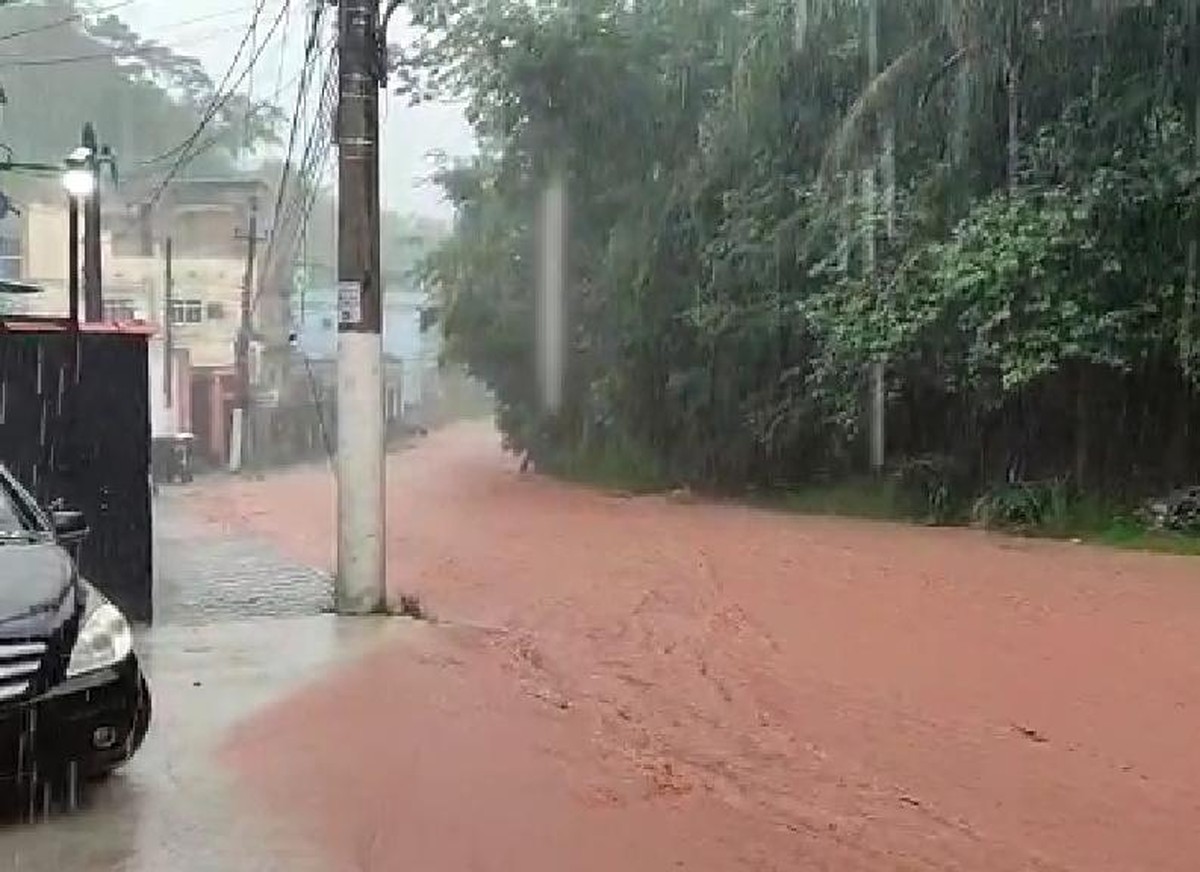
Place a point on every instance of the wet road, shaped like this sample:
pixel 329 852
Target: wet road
pixel 174 808
pixel 637 684
pixel 239 627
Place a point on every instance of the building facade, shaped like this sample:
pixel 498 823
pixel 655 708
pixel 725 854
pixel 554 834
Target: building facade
pixel 406 348
pixel 198 318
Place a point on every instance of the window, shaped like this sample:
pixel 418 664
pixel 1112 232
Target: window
pixel 327 324
pixel 10 258
pixel 16 515
pixel 186 312
pixel 214 311
pixel 119 310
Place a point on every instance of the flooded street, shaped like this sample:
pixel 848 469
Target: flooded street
pixel 315 316
pixel 173 807
pixel 238 626
pixel 642 684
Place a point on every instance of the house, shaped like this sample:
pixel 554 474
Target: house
pixel 199 319
pixel 410 355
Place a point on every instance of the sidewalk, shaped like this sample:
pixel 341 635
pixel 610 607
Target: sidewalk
pixel 207 574
pixel 238 628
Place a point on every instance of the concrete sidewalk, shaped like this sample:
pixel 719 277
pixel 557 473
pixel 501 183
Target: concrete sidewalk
pixel 238 628
pixel 207 575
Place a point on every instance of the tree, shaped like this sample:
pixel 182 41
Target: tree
pixel 770 195
pixel 61 67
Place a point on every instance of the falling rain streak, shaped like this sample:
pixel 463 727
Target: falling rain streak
pixel 551 326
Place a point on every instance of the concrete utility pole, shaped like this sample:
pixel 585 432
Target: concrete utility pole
pixel 167 325
pixel 93 158
pixel 93 300
pixel 360 584
pixel 239 437
pixel 73 259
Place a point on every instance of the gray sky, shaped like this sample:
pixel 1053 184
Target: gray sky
pixel 211 30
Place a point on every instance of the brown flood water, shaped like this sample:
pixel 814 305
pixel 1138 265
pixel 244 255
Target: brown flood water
pixel 638 684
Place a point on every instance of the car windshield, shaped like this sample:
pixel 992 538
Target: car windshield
pixel 16 519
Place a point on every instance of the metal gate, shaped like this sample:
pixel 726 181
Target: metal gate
pixel 75 425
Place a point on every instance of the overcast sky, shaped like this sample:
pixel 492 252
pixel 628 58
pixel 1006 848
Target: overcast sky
pixel 211 30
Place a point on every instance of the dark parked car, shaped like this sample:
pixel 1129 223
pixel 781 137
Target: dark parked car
pixel 73 700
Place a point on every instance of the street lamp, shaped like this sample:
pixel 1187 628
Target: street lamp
pixel 79 179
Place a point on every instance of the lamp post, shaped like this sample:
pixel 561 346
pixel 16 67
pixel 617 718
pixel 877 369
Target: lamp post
pixel 93 303
pixel 80 183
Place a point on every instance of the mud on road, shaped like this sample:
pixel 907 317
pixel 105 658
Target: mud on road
pixel 636 684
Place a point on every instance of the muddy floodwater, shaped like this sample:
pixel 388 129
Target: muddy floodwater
pixel 647 684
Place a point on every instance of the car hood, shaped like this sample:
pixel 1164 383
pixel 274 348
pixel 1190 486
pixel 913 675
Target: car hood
pixel 37 588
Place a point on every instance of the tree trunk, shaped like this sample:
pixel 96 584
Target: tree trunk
pixel 1082 404
pixel 1012 88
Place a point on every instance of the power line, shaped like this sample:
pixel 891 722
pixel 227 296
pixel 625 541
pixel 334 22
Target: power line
pixel 312 168
pixel 216 137
pixel 63 22
pixel 183 144
pixel 320 131
pixel 318 403
pixel 250 84
pixel 219 101
pixel 13 61
pixel 301 95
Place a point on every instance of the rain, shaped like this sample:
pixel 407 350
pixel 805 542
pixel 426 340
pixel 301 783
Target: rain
pixel 599 434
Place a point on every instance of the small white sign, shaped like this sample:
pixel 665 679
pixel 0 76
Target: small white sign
pixel 349 302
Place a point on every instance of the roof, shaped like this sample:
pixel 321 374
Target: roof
pixel 133 192
pixel 7 287
pixel 26 324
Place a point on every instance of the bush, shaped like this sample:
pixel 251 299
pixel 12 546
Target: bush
pixel 934 488
pixel 1026 506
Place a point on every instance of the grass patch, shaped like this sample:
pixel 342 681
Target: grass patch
pixel 613 468
pixel 870 498
pixel 1085 519
pixel 1043 511
pixel 1131 535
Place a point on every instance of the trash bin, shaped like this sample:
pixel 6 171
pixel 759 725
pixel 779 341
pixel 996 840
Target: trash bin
pixel 171 458
pixel 183 456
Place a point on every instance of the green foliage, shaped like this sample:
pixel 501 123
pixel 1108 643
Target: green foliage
pixel 61 66
pixel 1134 537
pixel 935 489
pixel 869 498
pixel 760 210
pixel 614 465
pixel 1026 507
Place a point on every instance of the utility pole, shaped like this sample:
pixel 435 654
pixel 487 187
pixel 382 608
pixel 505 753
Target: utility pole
pixel 73 260
pixel 167 325
pixel 73 286
pixel 93 300
pixel 360 583
pixel 240 441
